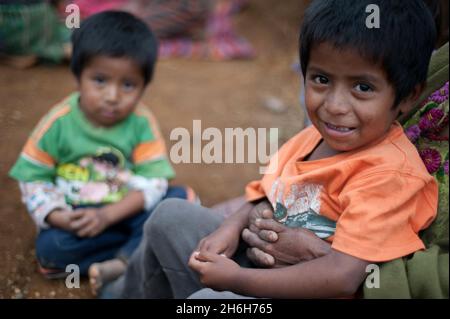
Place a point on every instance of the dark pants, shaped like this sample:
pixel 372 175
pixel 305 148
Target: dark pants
pixel 57 248
pixel 159 267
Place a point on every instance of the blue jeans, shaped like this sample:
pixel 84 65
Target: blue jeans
pixel 57 248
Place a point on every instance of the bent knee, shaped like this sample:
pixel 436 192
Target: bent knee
pixel 54 245
pixel 170 214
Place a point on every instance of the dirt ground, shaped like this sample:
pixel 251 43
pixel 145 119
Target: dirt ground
pixel 220 94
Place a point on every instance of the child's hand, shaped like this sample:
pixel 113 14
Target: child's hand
pixel 89 222
pixel 60 219
pixel 224 240
pixel 293 245
pixel 256 255
pixel 262 210
pixel 216 271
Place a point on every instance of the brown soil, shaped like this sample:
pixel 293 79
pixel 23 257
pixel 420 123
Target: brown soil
pixel 220 94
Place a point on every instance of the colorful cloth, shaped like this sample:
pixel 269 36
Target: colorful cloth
pixel 174 18
pixel 425 274
pixel 32 29
pixel 424 130
pixel 90 7
pixel 221 40
pixel 198 29
pixel 41 198
pixel 370 203
pixel 93 165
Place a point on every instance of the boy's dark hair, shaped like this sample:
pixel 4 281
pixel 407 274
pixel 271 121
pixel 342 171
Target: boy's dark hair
pixel 402 45
pixel 114 34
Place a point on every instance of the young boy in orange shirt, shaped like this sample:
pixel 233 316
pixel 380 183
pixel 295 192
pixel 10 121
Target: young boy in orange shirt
pixel 353 178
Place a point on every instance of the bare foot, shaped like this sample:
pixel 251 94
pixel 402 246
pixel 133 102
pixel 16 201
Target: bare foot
pixel 104 272
pixel 67 49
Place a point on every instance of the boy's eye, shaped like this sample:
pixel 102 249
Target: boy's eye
pixel 320 79
pixel 363 88
pixel 128 85
pixel 99 79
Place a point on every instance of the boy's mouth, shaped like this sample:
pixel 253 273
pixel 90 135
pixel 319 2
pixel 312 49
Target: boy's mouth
pixel 108 114
pixel 337 128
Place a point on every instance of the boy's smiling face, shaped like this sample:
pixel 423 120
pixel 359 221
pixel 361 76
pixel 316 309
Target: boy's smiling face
pixel 348 98
pixel 110 89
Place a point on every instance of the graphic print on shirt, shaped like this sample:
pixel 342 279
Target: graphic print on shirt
pixel 300 207
pixel 101 178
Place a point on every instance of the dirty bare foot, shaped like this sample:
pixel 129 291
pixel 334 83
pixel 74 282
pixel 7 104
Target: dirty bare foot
pixel 104 272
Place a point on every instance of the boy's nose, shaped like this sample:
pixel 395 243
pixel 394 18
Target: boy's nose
pixel 112 94
pixel 336 103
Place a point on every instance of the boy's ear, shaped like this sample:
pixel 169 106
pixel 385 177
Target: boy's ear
pixel 408 102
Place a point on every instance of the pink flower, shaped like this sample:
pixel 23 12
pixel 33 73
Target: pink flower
pixel 440 95
pixel 446 167
pixel 431 119
pixel 431 159
pixel 413 133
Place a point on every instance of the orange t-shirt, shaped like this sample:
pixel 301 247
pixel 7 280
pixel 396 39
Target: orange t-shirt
pixel 370 203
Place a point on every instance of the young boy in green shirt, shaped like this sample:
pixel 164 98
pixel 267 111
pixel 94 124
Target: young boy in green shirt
pixel 95 166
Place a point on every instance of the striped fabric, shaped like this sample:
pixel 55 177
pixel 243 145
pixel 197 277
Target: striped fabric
pixel 173 18
pixel 32 29
pixel 220 42
pixel 31 150
pixel 90 7
pixel 151 150
pixel 198 29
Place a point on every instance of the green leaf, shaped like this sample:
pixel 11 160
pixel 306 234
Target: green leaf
pixel 430 105
pixel 440 175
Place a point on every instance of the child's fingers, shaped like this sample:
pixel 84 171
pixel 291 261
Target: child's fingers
pixel 250 238
pixel 86 231
pixel 76 214
pixel 268 235
pixel 194 263
pixel 214 248
pixel 269 224
pixel 198 256
pixel 252 227
pixel 203 245
pixel 80 223
pixel 256 240
pixel 267 213
pixel 207 256
pixel 82 233
pixel 258 257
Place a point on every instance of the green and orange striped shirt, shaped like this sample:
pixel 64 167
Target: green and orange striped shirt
pixel 66 149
